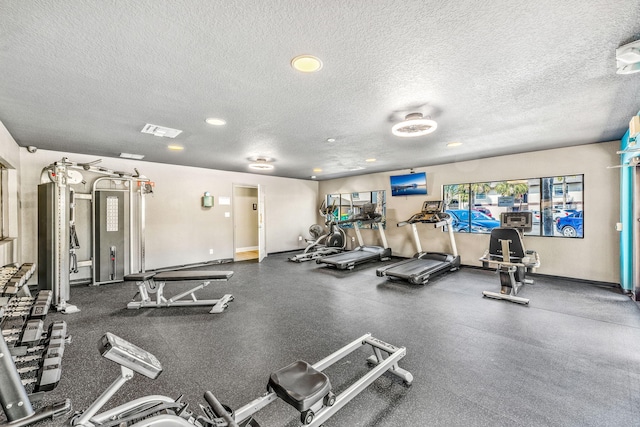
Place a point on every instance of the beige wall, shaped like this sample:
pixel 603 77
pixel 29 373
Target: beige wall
pixel 10 158
pixel 596 257
pixel 178 229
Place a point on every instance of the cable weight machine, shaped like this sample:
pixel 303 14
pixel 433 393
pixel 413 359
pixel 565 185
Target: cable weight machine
pixel 107 232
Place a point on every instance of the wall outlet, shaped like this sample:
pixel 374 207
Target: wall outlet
pixel 210 251
pixel 299 238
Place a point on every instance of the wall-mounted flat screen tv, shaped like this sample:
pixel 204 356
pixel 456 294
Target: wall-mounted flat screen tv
pixel 408 185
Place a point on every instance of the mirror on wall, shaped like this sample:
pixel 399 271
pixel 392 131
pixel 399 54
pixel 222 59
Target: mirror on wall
pixel 346 205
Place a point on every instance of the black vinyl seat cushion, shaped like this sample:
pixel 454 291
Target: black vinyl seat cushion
pixel 180 275
pixel 300 385
pixel 139 277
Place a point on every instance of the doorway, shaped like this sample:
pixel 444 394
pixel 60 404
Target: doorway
pixel 246 222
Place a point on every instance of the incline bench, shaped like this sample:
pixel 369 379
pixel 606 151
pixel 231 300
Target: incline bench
pixel 150 283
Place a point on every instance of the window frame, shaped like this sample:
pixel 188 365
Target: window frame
pixel 567 201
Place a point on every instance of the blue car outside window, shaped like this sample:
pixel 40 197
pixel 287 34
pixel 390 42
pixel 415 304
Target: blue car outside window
pixel 479 215
pixel 463 215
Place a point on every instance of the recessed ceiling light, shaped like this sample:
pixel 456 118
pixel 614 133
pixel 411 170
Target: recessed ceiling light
pixel 370 160
pixel 331 140
pixel 306 63
pixel 414 125
pixel 454 144
pixel 313 177
pixel 132 156
pixel 317 170
pixel 175 147
pixel 214 121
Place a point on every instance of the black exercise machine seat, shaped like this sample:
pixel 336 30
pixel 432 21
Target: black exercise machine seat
pixel 154 283
pixel 507 253
pixel 139 277
pixel 176 276
pixel 300 385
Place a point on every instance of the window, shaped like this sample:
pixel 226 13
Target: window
pixel 556 204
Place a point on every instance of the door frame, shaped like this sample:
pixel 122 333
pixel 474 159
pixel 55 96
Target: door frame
pixel 260 224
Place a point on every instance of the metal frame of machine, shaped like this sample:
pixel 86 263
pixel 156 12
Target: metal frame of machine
pixel 162 411
pixel 333 241
pixel 57 257
pixel 507 253
pixel 154 283
pixel 424 265
pixel 362 253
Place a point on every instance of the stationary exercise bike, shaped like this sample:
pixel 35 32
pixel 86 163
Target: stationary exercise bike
pixel 321 244
pixel 301 385
pixel 507 253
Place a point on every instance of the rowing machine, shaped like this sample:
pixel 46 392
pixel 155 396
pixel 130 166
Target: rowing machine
pixel 303 386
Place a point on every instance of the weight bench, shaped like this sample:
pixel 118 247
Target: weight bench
pixel 154 283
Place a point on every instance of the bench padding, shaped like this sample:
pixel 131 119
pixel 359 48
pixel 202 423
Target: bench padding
pixel 139 277
pixel 176 276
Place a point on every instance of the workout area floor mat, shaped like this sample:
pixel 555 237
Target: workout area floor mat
pixel 569 358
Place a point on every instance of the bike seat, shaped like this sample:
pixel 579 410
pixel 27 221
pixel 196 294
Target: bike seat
pixel 300 385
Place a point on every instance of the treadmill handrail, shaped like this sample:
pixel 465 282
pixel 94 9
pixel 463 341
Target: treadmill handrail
pixel 441 219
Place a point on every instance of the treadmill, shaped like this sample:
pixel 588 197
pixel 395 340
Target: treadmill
pixel 363 253
pixel 425 265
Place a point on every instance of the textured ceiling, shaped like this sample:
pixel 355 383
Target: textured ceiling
pixel 500 77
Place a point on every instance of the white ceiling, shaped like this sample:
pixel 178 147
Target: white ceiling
pixel 499 76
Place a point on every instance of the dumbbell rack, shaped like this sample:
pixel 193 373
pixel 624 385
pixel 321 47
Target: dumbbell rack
pixel 13 279
pixel 30 355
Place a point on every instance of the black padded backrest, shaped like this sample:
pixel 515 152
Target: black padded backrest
pixel 516 247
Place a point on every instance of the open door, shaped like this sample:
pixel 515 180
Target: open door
pixel 262 240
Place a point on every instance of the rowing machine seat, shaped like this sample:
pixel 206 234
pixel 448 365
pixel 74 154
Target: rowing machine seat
pixel 300 385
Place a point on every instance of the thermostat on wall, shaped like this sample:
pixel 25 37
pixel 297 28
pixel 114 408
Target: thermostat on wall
pixel 207 200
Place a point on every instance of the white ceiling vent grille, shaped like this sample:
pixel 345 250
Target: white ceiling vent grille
pixel 160 131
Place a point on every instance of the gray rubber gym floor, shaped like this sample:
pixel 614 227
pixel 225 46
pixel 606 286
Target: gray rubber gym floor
pixel 570 358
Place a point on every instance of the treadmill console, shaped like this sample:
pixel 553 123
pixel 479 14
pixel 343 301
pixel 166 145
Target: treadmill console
pixel 126 354
pixel 367 214
pixel 432 207
pixel 431 212
pixel 520 220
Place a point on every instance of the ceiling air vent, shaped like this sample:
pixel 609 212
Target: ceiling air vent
pixel 160 131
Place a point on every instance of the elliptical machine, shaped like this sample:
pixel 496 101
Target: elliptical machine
pixel 333 241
